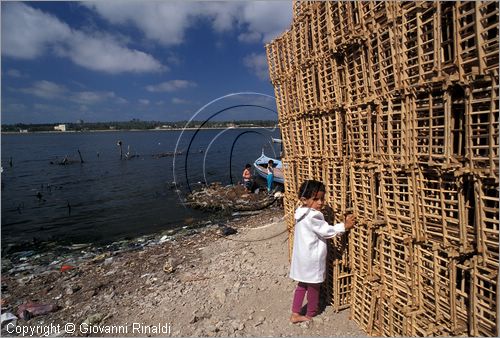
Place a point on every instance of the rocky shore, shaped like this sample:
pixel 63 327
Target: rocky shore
pixel 203 283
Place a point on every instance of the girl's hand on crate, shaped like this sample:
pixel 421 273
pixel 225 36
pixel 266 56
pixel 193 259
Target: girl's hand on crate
pixel 349 221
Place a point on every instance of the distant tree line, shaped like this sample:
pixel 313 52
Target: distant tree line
pixel 135 124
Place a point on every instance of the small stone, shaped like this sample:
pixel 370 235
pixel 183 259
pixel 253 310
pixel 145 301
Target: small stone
pixel 260 320
pixel 305 325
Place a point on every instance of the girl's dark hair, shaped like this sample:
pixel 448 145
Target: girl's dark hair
pixel 248 165
pixel 310 188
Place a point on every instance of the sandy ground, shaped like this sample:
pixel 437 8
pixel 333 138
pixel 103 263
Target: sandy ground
pixel 200 285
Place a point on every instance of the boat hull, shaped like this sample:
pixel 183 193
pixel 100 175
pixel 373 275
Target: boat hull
pixel 260 166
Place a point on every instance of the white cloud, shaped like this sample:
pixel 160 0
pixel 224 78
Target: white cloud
pixel 15 73
pixel 171 86
pixel 250 37
pixel 28 33
pixel 167 22
pixel 45 90
pixel 103 54
pixel 14 107
pixel 144 102
pixel 266 18
pixel 176 100
pixel 49 90
pixel 258 64
pixel 93 97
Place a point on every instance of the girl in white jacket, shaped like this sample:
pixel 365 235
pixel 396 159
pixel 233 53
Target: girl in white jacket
pixel 309 248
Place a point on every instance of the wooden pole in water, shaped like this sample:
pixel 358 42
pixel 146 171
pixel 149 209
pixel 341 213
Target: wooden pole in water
pixel 121 150
pixel 80 154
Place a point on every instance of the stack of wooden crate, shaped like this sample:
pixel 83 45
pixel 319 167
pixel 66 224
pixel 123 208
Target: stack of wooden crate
pixel 394 106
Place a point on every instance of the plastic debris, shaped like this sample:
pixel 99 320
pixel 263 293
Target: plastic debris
pixel 30 310
pixel 66 267
pixel 94 319
pixel 7 317
pixel 227 231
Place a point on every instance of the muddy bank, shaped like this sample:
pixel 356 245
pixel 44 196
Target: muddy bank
pixel 202 284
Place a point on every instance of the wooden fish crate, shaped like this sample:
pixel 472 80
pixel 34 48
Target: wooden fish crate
pixel 287 137
pixel 309 168
pixel 383 46
pixel 280 93
pixel 334 135
pixel 446 59
pixel 360 125
pixel 338 274
pixel 393 132
pixel 444 217
pixel 273 60
pixel 365 192
pixel 319 28
pixel 488 36
pixel 362 251
pixel 301 9
pixel 281 56
pixel 314 135
pixel 398 195
pixel 477 38
pixel 290 175
pixel 331 83
pixel 293 97
pixel 287 52
pixel 357 71
pixel 308 78
pixel 365 297
pixel 487 200
pixel 337 196
pixel 290 202
pixel 338 23
pixel 437 127
pixel 443 285
pixel 302 41
pixel 390 320
pixel 298 137
pixel 482 120
pixel 484 299
pixel 395 254
pixel 420 43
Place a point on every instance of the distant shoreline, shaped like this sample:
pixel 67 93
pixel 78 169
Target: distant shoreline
pixel 118 130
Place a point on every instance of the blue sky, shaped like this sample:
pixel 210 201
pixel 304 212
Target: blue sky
pixel 116 60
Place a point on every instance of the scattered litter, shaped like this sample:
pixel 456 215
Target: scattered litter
pixel 227 231
pixel 66 267
pixel 30 310
pixel 94 319
pixel 168 267
pixel 7 317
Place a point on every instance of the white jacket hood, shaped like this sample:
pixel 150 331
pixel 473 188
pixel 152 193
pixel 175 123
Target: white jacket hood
pixel 301 211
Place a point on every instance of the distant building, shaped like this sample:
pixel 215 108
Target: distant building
pixel 79 121
pixel 23 130
pixel 61 127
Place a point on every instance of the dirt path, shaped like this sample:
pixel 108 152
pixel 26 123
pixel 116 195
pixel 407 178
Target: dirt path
pixel 232 286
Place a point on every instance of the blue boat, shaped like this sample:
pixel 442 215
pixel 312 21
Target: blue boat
pixel 260 166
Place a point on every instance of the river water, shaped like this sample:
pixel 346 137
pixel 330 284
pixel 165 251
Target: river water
pixel 105 198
